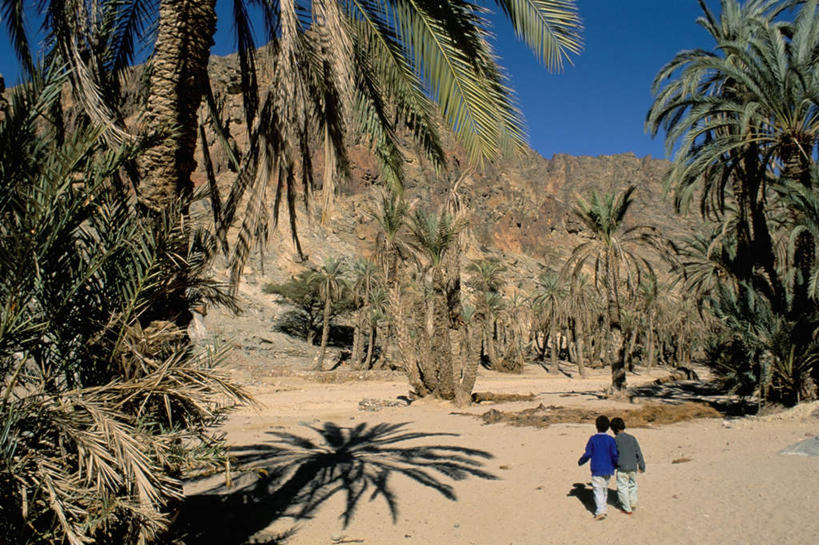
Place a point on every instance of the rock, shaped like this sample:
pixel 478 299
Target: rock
pixel 197 331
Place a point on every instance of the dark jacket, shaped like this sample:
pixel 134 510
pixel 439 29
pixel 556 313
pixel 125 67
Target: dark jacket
pixel 602 451
pixel 631 457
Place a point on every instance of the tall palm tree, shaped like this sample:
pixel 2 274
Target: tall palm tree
pixel 486 279
pixel 742 116
pixel 381 66
pixel 364 282
pixel 377 311
pixel 581 310
pixel 433 236
pixel 391 217
pixel 616 255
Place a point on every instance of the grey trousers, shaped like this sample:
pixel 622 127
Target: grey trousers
pixel 627 489
pixel 600 485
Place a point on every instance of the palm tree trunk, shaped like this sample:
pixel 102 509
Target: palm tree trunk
pixel 629 355
pixel 797 166
pixel 358 337
pixel 651 349
pixel 553 353
pixel 406 347
pixel 489 342
pixel 178 77
pixel 466 368
pixel 368 363
pixel 439 341
pixel 325 333
pixel 616 347
pixel 581 368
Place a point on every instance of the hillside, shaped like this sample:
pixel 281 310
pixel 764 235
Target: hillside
pixel 519 208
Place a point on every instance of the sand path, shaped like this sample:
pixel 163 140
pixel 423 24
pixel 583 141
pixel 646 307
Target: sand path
pixel 736 488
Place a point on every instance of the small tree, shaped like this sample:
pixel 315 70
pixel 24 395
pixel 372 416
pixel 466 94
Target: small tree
pixel 303 291
pixel 331 285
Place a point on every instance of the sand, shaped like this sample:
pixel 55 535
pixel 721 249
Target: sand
pixel 707 481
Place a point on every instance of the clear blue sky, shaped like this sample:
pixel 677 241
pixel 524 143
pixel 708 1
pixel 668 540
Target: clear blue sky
pixel 595 107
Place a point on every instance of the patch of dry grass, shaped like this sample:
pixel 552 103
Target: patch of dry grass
pixel 642 417
pixel 483 397
pixel 342 376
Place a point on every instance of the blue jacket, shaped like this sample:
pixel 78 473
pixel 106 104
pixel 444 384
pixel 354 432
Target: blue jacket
pixel 602 450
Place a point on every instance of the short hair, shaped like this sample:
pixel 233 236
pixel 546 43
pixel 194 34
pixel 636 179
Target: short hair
pixel 617 424
pixel 602 423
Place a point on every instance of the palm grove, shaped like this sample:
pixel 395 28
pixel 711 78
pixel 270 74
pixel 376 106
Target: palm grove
pixel 106 402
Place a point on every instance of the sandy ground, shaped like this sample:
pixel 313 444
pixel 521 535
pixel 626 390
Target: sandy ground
pixel 735 487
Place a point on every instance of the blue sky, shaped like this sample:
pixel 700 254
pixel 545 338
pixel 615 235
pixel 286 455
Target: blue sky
pixel 595 107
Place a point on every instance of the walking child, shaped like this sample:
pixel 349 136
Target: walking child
pixel 629 461
pixel 602 451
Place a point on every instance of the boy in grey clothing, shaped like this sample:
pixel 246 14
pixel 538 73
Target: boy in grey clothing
pixel 629 461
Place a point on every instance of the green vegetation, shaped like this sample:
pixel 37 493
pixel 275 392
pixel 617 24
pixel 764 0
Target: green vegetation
pixel 744 120
pixel 104 405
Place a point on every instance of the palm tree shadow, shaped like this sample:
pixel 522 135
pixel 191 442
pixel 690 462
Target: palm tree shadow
pixel 291 476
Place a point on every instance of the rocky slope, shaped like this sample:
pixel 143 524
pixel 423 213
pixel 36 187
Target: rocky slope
pixel 520 208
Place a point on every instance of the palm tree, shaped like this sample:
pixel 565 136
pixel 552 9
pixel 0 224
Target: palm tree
pixel 486 280
pixel 382 66
pixel 377 312
pixel 433 236
pixel 517 315
pixel 745 122
pixel 487 275
pixel 742 116
pixel 365 281
pixel 391 218
pixel 331 284
pixel 550 302
pixel 615 253
pixel 102 408
pixel 581 310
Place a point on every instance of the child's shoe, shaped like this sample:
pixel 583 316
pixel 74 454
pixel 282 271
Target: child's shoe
pixel 601 516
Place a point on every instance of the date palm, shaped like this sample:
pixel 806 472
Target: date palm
pixel 486 279
pixel 364 282
pixel 742 116
pixel 391 217
pixel 331 282
pixel 433 236
pixel 550 304
pixel 102 407
pixel 616 255
pixel 378 65
pixel 582 309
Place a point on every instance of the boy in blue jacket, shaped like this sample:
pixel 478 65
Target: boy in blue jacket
pixel 602 451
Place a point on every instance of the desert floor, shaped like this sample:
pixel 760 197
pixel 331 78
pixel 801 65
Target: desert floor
pixel 716 480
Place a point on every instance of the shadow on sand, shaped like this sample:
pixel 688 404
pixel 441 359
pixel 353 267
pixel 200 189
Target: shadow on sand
pixel 586 496
pixel 291 476
pixel 683 391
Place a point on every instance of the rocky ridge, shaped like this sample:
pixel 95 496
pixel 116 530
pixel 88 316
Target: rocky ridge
pixel 520 208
